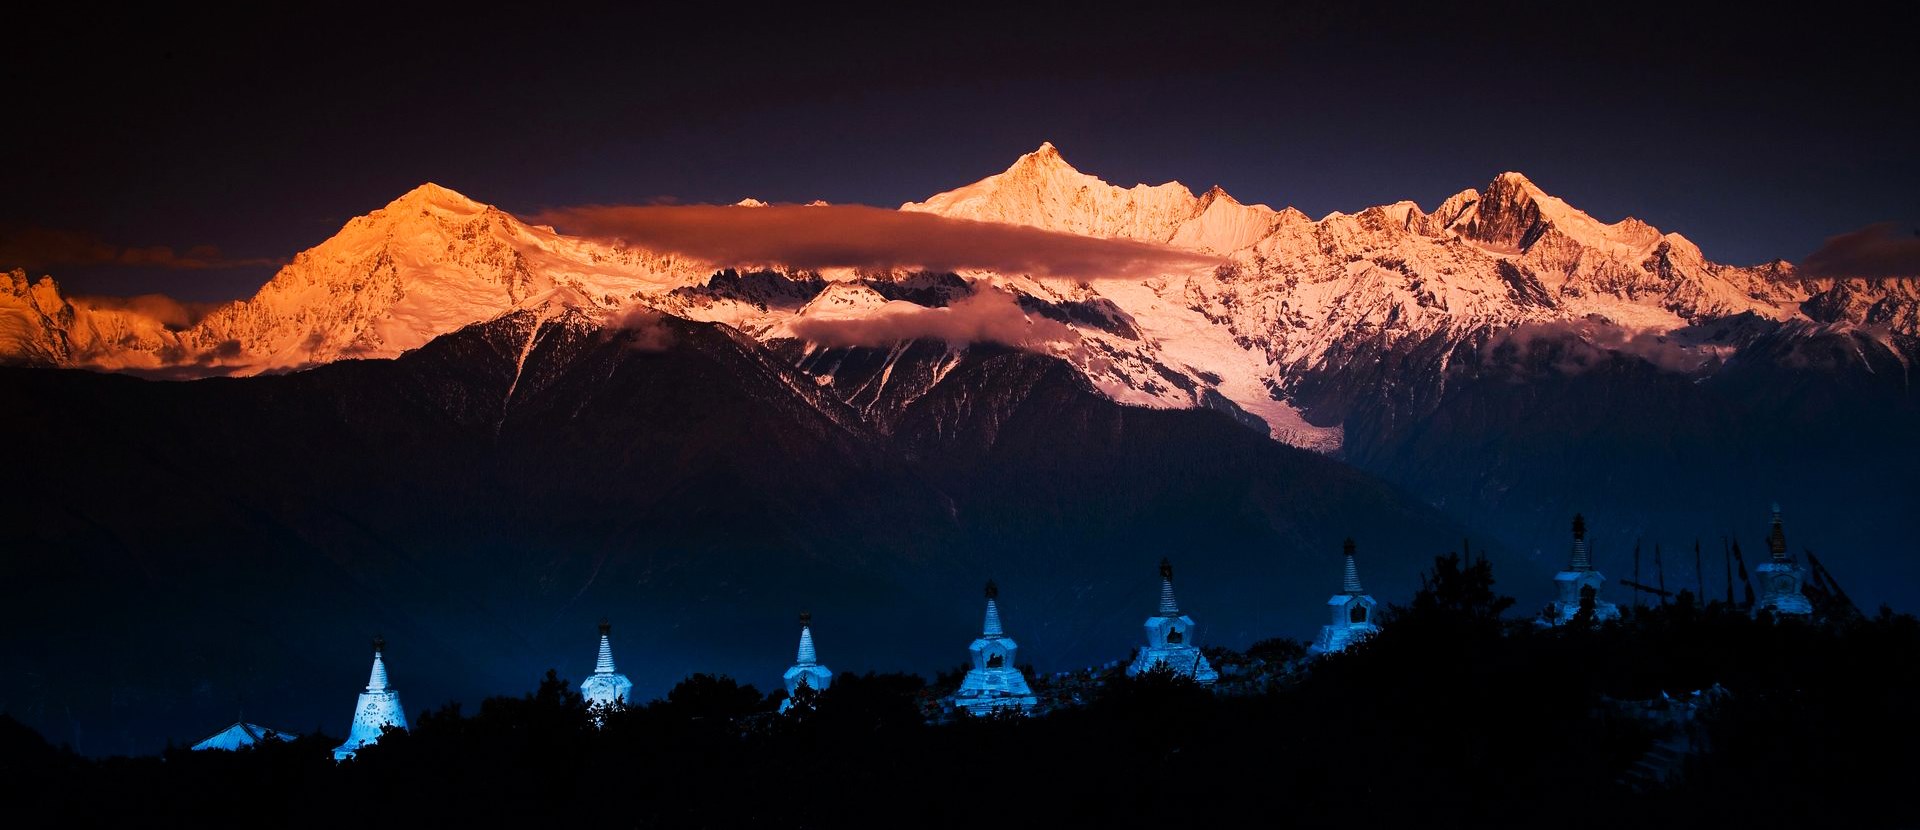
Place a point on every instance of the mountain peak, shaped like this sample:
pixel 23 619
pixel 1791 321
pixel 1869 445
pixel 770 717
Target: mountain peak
pixel 1513 212
pixel 434 195
pixel 1511 187
pixel 1044 157
pixel 1219 193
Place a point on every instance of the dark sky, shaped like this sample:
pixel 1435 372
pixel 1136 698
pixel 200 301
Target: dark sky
pixel 1756 135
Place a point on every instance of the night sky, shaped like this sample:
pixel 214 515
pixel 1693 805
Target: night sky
pixel 1756 136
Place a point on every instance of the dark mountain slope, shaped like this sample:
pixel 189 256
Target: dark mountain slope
pixel 179 552
pixel 1824 423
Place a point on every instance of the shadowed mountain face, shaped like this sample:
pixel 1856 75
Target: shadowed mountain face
pixel 1523 435
pixel 178 553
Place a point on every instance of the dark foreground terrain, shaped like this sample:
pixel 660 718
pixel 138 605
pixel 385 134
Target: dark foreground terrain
pixel 1456 715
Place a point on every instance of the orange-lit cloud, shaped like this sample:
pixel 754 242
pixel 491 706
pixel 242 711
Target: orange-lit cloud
pixel 856 236
pixel 1875 252
pixel 34 247
pixel 172 313
pixel 988 316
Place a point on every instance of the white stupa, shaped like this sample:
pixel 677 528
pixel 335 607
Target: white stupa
pixel 1352 611
pixel 1578 579
pixel 993 682
pixel 1781 578
pixel 606 687
pixel 806 670
pixel 378 708
pixel 1170 639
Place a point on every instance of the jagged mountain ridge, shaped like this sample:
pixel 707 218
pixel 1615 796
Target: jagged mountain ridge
pixel 1292 331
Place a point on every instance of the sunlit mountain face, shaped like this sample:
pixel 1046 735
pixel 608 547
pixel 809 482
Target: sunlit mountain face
pixel 310 333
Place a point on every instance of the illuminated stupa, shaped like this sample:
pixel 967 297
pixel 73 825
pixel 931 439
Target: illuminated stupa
pixel 993 683
pixel 378 707
pixel 1577 580
pixel 1352 613
pixel 606 687
pixel 1170 639
pixel 1781 577
pixel 806 670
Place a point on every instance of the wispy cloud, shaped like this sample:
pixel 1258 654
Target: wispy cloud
pixel 36 247
pixel 1574 346
pixel 1878 251
pixel 856 236
pixel 169 312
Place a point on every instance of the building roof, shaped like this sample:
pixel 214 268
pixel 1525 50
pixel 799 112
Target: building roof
pixel 242 734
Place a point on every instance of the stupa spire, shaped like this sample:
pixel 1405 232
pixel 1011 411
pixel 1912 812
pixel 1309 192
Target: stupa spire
pixel 1352 585
pixel 605 664
pixel 1582 560
pixel 377 680
pixel 1777 537
pixel 992 626
pixel 805 655
pixel 1168 607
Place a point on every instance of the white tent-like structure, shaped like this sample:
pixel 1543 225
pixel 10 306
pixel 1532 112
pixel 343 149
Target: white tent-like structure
pixel 240 735
pixel 377 708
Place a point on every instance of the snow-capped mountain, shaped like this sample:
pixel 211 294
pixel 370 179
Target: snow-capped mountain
pixel 40 327
pixel 1328 305
pixel 1042 190
pixel 428 263
pixel 1323 316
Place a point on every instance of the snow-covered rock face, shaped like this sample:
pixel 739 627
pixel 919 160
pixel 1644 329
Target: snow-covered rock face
pixel 1042 190
pixel 1306 314
pixel 427 264
pixel 39 327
